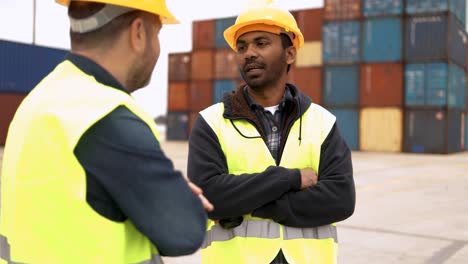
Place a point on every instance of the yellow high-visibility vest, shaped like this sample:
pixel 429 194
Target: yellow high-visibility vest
pixel 258 240
pixel 44 214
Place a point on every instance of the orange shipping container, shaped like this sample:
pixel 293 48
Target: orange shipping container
pixel 381 84
pixel 201 95
pixel 225 65
pixel 178 96
pixel 308 80
pixel 179 66
pixel 381 129
pixel 9 103
pixel 342 9
pixel 202 65
pixel 203 33
pixel 310 23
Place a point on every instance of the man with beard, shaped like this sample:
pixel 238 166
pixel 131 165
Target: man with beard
pixel 84 178
pixel 272 162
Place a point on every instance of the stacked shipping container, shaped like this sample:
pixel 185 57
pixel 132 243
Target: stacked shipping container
pixel 435 76
pixel 383 67
pixel 22 66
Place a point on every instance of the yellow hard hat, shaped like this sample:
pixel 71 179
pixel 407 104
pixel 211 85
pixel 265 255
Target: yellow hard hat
pixel 264 15
pixel 157 7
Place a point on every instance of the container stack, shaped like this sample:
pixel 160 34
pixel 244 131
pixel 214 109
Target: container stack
pixel 435 76
pixel 381 76
pixel 22 66
pixel 341 33
pixel 198 78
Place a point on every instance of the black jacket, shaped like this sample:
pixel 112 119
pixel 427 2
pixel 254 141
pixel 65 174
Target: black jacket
pixel 274 193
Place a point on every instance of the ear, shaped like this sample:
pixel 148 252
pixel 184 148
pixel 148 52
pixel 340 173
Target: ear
pixel 290 55
pixel 138 35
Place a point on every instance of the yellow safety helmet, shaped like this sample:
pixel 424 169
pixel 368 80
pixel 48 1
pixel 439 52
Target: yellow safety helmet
pixel 157 7
pixel 264 15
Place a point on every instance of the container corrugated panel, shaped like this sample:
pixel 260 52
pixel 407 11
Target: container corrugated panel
pixel 220 26
pixel 456 87
pixel 341 42
pixel 203 34
pixel 178 96
pixel 341 86
pixel 177 126
pixel 381 84
pixel 179 66
pixel 444 131
pixel 435 37
pixel 310 54
pixel 415 84
pixel 22 66
pixel 308 80
pixel 202 65
pixel 382 41
pixel 435 84
pixel 220 87
pixel 348 124
pixel 381 129
pixel 382 7
pixel 310 22
pixel 200 95
pixel 9 103
pixel 457 7
pixel 225 65
pixel 342 9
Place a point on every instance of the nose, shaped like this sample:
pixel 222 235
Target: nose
pixel 251 52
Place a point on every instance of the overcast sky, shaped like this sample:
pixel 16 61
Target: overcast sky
pixel 51 29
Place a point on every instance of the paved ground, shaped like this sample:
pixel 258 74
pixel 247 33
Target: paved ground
pixel 410 209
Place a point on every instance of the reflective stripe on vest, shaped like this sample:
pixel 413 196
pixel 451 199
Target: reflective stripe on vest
pixel 5 254
pixel 269 230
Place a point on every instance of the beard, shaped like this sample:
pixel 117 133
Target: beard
pixel 142 70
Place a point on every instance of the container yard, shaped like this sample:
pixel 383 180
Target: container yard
pixel 392 72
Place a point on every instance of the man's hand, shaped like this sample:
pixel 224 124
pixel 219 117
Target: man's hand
pixel 308 178
pixel 198 192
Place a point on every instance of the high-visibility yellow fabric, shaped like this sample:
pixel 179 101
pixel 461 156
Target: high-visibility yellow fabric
pixel 247 155
pixel 44 213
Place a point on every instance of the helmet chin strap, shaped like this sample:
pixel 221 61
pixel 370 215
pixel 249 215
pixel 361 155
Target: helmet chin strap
pixel 96 21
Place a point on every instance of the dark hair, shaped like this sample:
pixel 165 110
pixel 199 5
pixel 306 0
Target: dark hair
pixel 103 36
pixel 286 43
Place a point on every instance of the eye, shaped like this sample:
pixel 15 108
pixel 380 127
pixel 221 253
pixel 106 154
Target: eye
pixel 240 48
pixel 262 43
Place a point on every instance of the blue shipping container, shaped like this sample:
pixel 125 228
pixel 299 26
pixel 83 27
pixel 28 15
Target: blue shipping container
pixel 341 42
pixel 220 87
pixel 382 40
pixel 440 37
pixel 348 124
pixel 457 7
pixel 177 126
pixel 435 84
pixel 382 7
pixel 22 66
pixel 220 26
pixel 414 84
pixel 341 86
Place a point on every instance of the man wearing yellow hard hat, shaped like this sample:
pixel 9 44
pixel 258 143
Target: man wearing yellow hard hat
pixel 272 162
pixel 84 179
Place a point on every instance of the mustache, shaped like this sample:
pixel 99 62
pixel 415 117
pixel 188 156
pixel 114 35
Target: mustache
pixel 252 64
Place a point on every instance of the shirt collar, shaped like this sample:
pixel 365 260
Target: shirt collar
pixel 285 101
pixel 92 68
